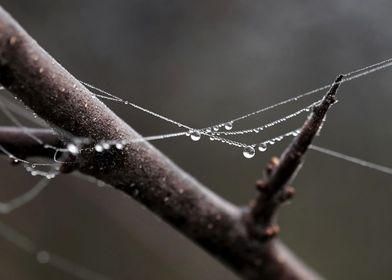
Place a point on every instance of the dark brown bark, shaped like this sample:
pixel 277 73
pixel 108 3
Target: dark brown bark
pixel 274 189
pixel 19 142
pixel 144 173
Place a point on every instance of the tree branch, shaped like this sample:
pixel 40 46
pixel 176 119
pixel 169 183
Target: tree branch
pixel 20 141
pixel 274 189
pixel 144 173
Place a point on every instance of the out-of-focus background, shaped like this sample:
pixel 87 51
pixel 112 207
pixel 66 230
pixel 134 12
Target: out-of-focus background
pixel 203 62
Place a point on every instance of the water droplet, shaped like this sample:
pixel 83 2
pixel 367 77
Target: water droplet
pixel 195 135
pixel 43 257
pixel 126 102
pixel 101 184
pixel 106 146
pixel 98 148
pixel 262 147
pixel 212 138
pixel 271 142
pixel 16 160
pixel 229 126
pixel 249 152
pixel 72 149
pixel 215 128
pixel 33 165
pixel 208 130
pixel 256 130
pixel 119 146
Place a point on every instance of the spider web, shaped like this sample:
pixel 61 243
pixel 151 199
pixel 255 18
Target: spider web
pixel 218 132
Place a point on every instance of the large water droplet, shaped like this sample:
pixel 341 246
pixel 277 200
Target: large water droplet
pixel 229 126
pixel 72 149
pixel 249 152
pixel 262 147
pixel 98 148
pixel 195 135
pixel 119 146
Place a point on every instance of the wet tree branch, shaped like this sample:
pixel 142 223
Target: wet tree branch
pixel 241 239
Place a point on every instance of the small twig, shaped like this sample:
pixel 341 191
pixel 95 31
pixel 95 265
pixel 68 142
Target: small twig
pixel 274 189
pixel 144 173
pixel 18 141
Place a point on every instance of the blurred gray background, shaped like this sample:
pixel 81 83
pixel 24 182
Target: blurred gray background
pixel 203 62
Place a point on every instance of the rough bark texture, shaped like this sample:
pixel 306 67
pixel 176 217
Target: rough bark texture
pixel 144 173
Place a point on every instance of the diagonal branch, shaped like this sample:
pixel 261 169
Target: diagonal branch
pixel 144 173
pixel 274 189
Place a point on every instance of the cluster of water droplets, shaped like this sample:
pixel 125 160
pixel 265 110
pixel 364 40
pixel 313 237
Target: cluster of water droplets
pixel 268 125
pixel 249 151
pixel 214 132
pixel 106 145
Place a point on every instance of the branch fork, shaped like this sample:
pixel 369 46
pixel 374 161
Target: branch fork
pixel 241 238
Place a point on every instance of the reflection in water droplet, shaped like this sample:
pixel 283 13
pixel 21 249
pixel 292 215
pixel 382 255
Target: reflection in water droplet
pixel 249 152
pixel 98 148
pixel 195 135
pixel 119 146
pixel 229 126
pixel 72 149
pixel 262 147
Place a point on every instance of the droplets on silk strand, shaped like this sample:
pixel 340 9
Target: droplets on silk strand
pixel 212 132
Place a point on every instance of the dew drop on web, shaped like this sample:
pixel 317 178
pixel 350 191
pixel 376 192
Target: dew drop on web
pixel 249 152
